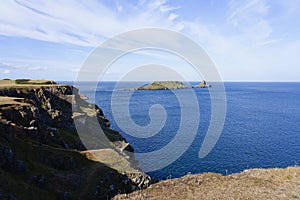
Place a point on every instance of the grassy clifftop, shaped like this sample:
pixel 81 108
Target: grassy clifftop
pixel 25 83
pixel 250 184
pixel 42 156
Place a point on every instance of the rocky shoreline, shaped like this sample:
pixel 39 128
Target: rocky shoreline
pixel 42 156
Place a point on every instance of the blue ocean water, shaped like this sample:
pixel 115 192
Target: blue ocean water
pixel 261 130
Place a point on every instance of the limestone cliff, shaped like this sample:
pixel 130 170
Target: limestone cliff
pixel 41 155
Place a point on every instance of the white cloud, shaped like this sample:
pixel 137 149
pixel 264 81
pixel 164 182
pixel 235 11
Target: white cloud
pixel 5 64
pixel 84 23
pixel 6 71
pixel 172 16
pixel 249 18
pixel 245 46
pixel 37 68
pixel 241 10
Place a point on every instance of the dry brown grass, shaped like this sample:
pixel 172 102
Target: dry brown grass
pixel 250 184
pixel 111 158
pixel 9 84
pixel 12 101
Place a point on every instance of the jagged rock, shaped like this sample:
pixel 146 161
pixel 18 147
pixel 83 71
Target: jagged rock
pixel 38 136
pixel 203 84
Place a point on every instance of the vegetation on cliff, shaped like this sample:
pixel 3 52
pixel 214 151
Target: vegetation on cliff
pixel 170 85
pixel 164 85
pixel 41 155
pixel 250 184
pixel 34 82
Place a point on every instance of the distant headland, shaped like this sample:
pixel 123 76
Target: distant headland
pixel 170 85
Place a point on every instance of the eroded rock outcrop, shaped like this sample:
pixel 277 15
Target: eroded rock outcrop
pixel 42 156
pixel 203 84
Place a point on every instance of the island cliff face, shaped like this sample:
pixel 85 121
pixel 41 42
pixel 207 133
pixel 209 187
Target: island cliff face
pixel 41 155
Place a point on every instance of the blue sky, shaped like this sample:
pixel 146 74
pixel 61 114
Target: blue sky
pixel 250 40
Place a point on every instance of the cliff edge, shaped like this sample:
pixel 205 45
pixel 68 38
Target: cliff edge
pixel 42 156
pixel 250 184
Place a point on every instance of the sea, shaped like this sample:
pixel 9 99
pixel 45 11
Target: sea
pixel 261 129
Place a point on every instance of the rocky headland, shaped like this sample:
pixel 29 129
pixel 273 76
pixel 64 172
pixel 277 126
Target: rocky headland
pixel 170 85
pixel 42 156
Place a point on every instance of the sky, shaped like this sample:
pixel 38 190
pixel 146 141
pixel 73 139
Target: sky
pixel 248 40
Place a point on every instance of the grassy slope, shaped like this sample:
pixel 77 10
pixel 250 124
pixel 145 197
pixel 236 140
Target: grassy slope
pixel 11 84
pixel 161 85
pixel 251 184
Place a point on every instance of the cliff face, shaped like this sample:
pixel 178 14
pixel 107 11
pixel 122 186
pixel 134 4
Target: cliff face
pixel 41 155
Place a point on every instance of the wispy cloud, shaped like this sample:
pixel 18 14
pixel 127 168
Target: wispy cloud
pixel 37 68
pixel 248 37
pixel 249 18
pixel 7 71
pixel 84 23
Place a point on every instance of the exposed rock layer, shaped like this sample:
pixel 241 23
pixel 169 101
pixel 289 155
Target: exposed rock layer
pixel 41 155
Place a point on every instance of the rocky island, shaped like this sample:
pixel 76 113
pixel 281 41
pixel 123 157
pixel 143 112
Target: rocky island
pixel 41 155
pixel 203 84
pixel 171 85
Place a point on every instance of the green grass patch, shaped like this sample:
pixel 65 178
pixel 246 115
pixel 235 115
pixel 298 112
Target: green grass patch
pixel 34 82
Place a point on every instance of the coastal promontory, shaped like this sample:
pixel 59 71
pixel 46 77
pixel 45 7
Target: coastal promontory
pixel 41 154
pixel 43 157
